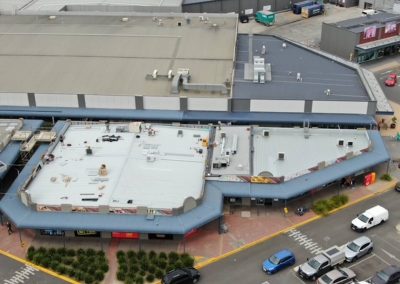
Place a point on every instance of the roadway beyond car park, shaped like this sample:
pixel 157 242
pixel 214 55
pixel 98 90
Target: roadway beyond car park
pixel 309 240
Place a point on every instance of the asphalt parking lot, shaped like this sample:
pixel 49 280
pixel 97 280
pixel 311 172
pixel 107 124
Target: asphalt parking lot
pixel 307 241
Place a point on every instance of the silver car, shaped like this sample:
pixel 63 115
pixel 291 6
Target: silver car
pixel 337 276
pixel 357 248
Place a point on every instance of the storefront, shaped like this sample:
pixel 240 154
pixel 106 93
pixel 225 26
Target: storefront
pixel 377 49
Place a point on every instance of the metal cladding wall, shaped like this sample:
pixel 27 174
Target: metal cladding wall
pixel 227 6
pixel 345 3
pixel 338 41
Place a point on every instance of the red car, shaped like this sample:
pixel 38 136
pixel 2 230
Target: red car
pixel 391 80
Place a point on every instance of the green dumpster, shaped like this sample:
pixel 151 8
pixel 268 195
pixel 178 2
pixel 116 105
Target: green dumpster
pixel 265 17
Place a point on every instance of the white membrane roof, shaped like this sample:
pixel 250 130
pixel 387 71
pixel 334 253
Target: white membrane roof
pixel 158 171
pixel 303 150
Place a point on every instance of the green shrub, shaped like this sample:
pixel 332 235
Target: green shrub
pixel 142 272
pixel 89 279
pixel 162 255
pixel 152 254
pixel 141 254
pixel 79 275
pixel 121 254
pixel 92 269
pixel 75 264
pixel 61 269
pixel 99 275
pixel 151 269
pixel 71 272
pixel 90 252
pixel 30 255
pixel 386 177
pixel 104 267
pixel 131 254
pixel 162 263
pixel 123 267
pixel 159 273
pixel 173 257
pixel 120 275
pixel 100 253
pixel 150 278
pixel 84 267
pixel 188 261
pixel 134 268
pixel 68 260
pixel 52 251
pixel 139 280
pixel 45 262
pixel 37 259
pixel 42 250
pixel 62 251
pixel 80 251
pixel 144 265
pixel 54 265
pixel 170 267
pixel 129 281
pixel 320 207
pixel 71 252
pixel 31 249
pixel 178 264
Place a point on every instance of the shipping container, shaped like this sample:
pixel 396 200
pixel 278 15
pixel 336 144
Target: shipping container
pixel 296 8
pixel 313 10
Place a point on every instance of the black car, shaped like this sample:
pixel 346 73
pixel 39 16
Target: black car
pixel 182 276
pixel 388 275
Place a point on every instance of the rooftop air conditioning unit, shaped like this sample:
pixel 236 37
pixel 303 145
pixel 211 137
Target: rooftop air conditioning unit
pixel 340 142
pixel 281 156
pixel 265 133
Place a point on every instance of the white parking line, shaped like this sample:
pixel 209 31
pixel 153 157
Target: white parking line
pixel 382 259
pixel 361 261
pixel 391 255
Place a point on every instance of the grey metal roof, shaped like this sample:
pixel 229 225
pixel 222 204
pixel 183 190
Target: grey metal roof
pixel 10 154
pixel 351 24
pixel 318 72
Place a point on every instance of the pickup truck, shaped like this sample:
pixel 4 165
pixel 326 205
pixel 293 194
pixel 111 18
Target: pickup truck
pixel 321 263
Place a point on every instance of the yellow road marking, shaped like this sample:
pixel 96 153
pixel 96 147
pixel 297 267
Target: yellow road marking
pixel 45 270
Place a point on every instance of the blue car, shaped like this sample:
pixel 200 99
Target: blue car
pixel 278 261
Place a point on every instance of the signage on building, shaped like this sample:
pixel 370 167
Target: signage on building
pixel 267 8
pixel 86 233
pixel 123 235
pixel 390 27
pixel 369 32
pixel 58 233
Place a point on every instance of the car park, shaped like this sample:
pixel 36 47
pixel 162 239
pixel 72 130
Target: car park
pixel 391 80
pixel 279 261
pixel 358 248
pixel 388 275
pixel 181 276
pixel 337 276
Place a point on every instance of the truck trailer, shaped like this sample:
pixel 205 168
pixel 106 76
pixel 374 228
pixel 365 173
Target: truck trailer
pixel 296 8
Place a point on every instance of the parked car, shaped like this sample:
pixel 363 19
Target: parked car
pixel 391 80
pixel 337 276
pixel 278 261
pixel 357 248
pixel 370 218
pixel 321 263
pixel 397 187
pixel 182 276
pixel 388 275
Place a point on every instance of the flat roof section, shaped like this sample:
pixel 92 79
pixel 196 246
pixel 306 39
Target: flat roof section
pixel 158 167
pixel 231 147
pixel 293 152
pixel 107 56
pixel 318 74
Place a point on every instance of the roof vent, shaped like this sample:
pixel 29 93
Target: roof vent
pixel 265 133
pixel 350 144
pixel 125 19
pixel 52 17
pixel 340 142
pixel 281 156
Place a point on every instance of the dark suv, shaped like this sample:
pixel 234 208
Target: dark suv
pixel 181 276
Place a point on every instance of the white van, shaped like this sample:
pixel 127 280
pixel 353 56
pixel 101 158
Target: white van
pixel 370 218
